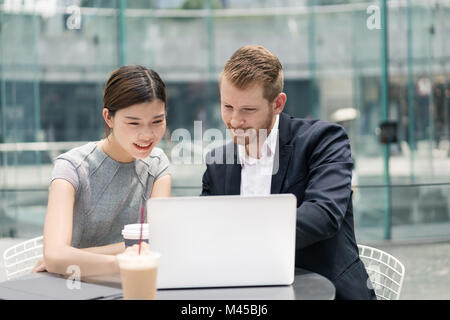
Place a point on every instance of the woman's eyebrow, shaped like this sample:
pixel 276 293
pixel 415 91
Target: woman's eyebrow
pixel 136 118
pixel 132 118
pixel 159 116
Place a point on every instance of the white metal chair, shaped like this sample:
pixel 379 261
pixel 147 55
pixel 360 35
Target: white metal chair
pixel 386 273
pixel 21 258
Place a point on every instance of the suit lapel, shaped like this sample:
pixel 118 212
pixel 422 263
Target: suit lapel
pixel 283 163
pixel 283 155
pixel 233 174
pixel 233 179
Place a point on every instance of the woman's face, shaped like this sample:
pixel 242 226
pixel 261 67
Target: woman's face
pixel 138 128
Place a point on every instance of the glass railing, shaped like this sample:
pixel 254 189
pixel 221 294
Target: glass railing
pixel 417 211
pixel 22 211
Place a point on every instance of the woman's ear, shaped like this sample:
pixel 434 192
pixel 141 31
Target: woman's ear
pixel 108 118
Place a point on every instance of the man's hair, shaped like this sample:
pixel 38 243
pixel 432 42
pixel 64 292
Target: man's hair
pixel 255 64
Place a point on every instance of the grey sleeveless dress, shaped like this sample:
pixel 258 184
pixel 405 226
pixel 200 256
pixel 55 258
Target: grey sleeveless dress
pixel 108 194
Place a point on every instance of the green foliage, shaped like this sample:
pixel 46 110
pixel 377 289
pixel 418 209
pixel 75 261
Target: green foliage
pixel 200 4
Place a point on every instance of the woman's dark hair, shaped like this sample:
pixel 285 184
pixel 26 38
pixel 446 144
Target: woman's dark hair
pixel 129 85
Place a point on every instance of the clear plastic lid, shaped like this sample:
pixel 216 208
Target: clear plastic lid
pixel 134 230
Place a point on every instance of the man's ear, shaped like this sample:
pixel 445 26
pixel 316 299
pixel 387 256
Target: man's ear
pixel 279 103
pixel 108 118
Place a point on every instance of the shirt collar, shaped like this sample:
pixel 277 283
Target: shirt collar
pixel 268 147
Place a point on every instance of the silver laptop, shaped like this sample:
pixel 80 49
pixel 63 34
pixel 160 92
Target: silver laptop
pixel 223 241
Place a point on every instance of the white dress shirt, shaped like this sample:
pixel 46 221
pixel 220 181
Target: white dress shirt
pixel 256 174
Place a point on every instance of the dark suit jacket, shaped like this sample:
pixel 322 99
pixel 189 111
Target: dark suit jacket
pixel 315 165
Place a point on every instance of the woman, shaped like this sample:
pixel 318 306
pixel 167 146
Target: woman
pixel 99 187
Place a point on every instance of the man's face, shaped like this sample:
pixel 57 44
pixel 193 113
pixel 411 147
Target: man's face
pixel 246 112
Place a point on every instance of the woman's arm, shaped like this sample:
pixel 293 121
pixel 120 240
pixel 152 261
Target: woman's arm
pixel 161 187
pixel 111 249
pixel 58 254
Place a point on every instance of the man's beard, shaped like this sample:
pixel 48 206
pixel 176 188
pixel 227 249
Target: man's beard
pixel 252 135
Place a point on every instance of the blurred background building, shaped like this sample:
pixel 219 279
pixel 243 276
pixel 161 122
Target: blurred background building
pixel 379 68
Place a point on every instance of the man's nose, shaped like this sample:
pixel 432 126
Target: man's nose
pixel 237 122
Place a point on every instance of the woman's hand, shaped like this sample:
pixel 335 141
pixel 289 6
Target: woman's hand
pixel 39 267
pixel 134 249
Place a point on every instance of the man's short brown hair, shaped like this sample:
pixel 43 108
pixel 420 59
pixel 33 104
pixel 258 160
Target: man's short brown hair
pixel 255 64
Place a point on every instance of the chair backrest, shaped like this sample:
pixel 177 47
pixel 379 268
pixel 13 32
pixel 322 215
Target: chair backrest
pixel 386 272
pixel 21 258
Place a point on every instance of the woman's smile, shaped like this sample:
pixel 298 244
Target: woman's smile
pixel 143 146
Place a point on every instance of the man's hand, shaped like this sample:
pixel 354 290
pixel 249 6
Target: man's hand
pixel 39 267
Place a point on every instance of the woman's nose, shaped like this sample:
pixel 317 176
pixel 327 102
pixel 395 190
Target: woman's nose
pixel 146 134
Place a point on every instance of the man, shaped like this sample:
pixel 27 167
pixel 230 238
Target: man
pixel 272 152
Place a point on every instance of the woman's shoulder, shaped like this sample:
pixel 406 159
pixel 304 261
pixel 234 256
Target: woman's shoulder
pixel 157 155
pixel 77 155
pixel 156 160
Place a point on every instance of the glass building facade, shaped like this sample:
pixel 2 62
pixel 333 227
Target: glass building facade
pixel 379 68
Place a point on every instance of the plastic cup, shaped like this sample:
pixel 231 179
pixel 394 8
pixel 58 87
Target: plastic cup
pixel 138 274
pixel 132 232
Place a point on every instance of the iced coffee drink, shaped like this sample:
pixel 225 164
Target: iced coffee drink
pixel 138 272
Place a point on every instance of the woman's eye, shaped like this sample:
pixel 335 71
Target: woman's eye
pixel 134 123
pixel 157 122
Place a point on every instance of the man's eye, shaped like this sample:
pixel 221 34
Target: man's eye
pixel 249 109
pixel 133 123
pixel 228 107
pixel 157 122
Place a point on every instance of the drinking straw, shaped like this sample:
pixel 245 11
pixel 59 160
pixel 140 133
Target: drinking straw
pixel 142 223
